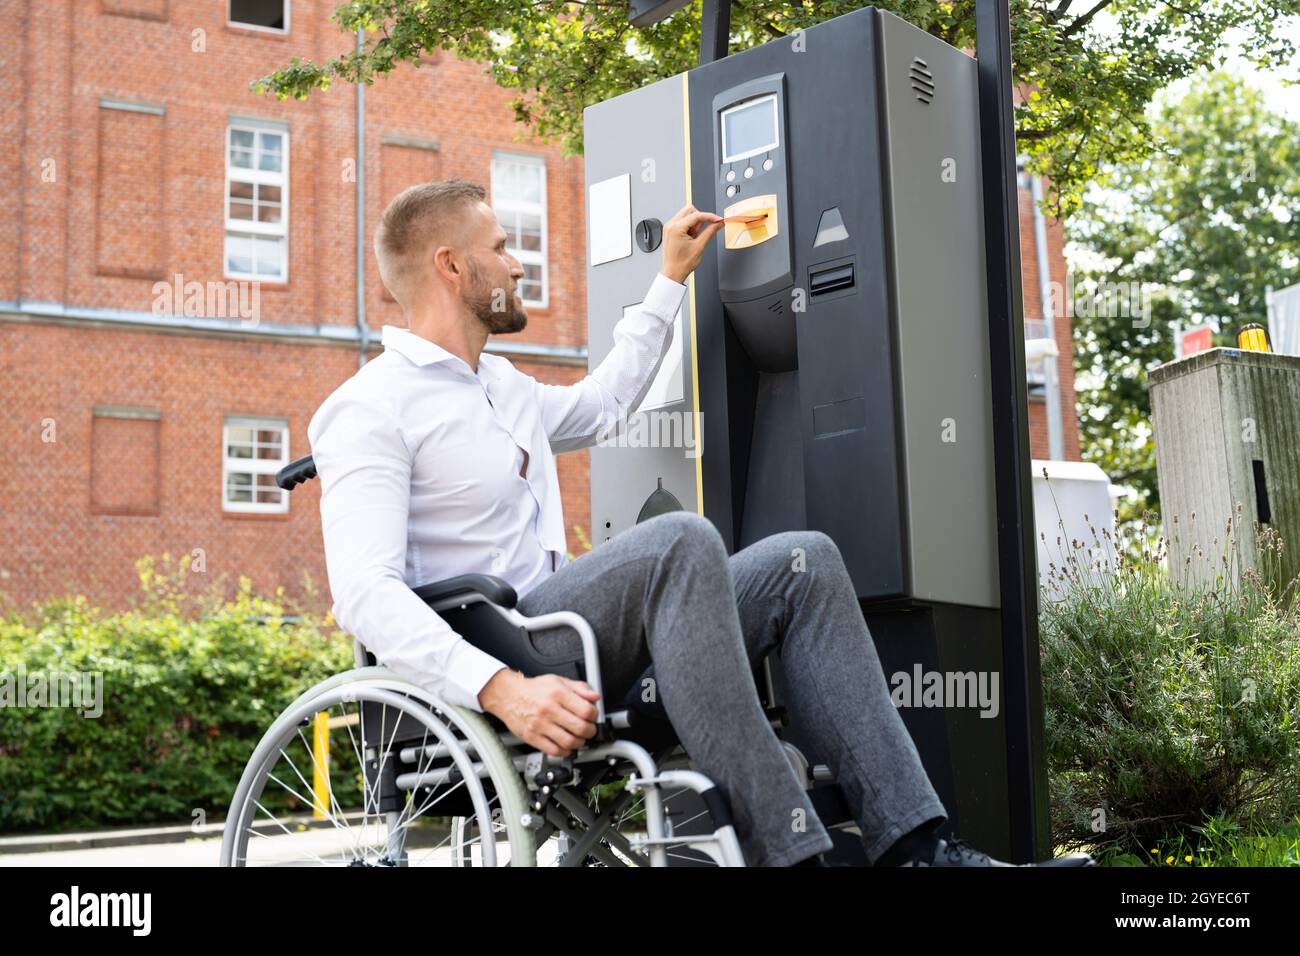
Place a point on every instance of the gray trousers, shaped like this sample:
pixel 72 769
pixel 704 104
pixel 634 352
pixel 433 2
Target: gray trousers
pixel 665 590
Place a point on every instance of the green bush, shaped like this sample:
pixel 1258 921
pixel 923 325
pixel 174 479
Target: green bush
pixel 1166 706
pixel 188 687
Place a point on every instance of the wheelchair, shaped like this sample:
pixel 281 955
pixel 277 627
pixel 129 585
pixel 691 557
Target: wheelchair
pixel 413 781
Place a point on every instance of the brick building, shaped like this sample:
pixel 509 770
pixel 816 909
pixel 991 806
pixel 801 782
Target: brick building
pixel 1036 330
pixel 178 277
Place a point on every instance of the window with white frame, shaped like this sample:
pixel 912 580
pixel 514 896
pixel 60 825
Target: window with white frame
pixel 257 202
pixel 259 14
pixel 253 450
pixel 519 200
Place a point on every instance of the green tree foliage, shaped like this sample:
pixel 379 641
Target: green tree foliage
pixel 1089 88
pixel 1203 225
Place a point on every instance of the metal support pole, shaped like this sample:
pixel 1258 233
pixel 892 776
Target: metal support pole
pixel 363 327
pixel 1022 679
pixel 715 30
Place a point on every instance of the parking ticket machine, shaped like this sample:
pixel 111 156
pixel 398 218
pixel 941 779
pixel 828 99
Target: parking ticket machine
pixel 829 368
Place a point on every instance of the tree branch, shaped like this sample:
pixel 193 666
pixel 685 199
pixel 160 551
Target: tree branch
pixel 1037 134
pixel 767 24
pixel 1069 122
pixel 1197 15
pixel 1128 475
pixel 1082 21
pixel 1060 10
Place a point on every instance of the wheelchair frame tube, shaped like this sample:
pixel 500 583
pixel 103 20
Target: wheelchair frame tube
pixel 590 657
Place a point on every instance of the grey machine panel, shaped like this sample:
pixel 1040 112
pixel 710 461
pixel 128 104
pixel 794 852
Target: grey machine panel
pixel 640 135
pixel 932 145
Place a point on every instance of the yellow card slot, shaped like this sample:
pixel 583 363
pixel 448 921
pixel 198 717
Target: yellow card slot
pixel 742 235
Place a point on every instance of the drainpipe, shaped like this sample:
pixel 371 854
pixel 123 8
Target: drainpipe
pixel 1055 430
pixel 363 330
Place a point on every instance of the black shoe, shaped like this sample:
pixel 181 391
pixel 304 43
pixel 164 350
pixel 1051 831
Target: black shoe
pixel 956 853
pixel 959 853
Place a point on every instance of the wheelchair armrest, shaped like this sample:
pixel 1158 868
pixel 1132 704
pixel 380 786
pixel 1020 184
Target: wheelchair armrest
pixel 493 589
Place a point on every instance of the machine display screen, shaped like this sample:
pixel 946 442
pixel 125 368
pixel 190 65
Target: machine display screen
pixel 749 129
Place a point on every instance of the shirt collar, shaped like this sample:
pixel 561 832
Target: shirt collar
pixel 422 352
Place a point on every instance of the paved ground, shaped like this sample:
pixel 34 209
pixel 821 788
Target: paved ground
pixel 326 845
pixel 197 852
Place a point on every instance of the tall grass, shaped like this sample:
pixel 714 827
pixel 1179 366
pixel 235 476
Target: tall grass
pixel 1166 704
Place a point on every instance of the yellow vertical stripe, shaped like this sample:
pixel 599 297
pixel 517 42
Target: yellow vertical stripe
pixel 690 292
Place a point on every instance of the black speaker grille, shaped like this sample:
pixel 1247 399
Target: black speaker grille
pixel 922 80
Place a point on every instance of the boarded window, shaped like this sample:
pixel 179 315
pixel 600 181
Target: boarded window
pixel 124 460
pixel 129 200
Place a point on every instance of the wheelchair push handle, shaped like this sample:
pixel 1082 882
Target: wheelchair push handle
pixel 295 473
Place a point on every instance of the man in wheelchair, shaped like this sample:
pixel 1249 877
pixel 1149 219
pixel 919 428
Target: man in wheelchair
pixel 437 459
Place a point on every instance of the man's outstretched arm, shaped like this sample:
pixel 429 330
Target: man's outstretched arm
pixel 575 416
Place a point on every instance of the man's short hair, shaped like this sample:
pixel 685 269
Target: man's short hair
pixel 424 214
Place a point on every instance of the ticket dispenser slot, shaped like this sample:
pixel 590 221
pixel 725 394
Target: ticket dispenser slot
pixel 832 278
pixel 752 180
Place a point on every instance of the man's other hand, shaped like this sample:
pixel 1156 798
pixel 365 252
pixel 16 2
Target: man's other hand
pixel 552 713
pixel 686 236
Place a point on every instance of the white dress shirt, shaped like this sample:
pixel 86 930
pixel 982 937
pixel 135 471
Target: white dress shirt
pixel 419 462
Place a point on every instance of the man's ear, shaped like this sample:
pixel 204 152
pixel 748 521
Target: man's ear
pixel 447 263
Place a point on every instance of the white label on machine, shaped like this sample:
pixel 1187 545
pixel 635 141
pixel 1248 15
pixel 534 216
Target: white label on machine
pixel 609 208
pixel 666 389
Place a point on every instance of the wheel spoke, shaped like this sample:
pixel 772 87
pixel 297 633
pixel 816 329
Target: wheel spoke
pixel 419 766
pixel 330 813
pixel 259 806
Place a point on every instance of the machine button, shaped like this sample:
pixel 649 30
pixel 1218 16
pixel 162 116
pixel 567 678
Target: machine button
pixel 767 164
pixel 749 172
pixel 731 175
pixel 731 191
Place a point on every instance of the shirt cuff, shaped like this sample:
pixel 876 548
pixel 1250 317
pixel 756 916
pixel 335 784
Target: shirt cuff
pixel 468 672
pixel 664 297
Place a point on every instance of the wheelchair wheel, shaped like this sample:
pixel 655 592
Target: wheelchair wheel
pixel 386 790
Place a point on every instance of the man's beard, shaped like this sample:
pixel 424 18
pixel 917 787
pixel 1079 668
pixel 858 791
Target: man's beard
pixel 497 308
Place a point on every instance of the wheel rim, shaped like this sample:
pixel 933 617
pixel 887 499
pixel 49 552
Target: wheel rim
pixel 294 808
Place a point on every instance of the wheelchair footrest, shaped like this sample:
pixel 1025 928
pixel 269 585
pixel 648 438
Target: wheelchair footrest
pixel 638 842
